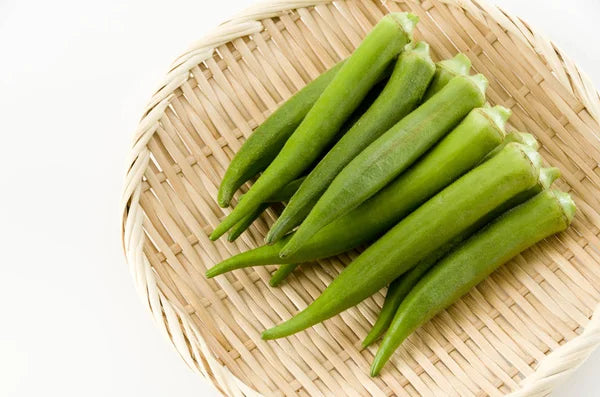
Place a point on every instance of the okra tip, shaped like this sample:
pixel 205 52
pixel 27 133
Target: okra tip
pixel 269 334
pixel 222 267
pixel 212 272
pixel 277 231
pixel 214 236
pixel 278 277
pixel 275 282
pixel 232 236
pixel 379 361
pixel 460 64
pixel 224 197
pixel 371 337
pixel 566 204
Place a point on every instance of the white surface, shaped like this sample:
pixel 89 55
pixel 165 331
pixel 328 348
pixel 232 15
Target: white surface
pixel 74 77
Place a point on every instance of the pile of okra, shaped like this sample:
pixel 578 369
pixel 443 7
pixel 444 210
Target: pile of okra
pixel 391 151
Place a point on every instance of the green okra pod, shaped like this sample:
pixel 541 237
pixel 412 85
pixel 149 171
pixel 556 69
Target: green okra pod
pixel 288 190
pixel 396 292
pixel 266 141
pixel 281 274
pixel 428 228
pixel 547 213
pixel 516 136
pixel 391 154
pixel 411 75
pixel 246 221
pixel 513 136
pixel 280 196
pixel 338 100
pixel 445 70
pixel 461 150
pixel 400 287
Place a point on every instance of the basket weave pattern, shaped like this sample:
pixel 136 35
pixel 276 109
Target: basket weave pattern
pixel 522 330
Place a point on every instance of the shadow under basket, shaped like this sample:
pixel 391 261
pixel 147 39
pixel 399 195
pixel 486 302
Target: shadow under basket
pixel 521 331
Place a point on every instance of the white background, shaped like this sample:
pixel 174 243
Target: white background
pixel 74 77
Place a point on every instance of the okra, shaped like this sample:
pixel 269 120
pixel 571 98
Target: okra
pixel 400 287
pixel 461 150
pixel 281 274
pixel 411 75
pixel 445 70
pixel 391 154
pixel 428 228
pixel 338 100
pixel 547 213
pixel 266 141
pixel 516 136
pixel 281 196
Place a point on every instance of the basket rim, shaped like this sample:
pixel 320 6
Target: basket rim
pixel 175 324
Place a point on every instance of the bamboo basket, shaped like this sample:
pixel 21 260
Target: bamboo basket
pixel 522 331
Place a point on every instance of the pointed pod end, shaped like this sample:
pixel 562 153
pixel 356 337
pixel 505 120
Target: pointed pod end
pixel 224 197
pixel 290 248
pixel 231 237
pixel 566 203
pixel 215 234
pixel 285 252
pixel 227 223
pixel 378 364
pixel 269 334
pixel 274 282
pixel 369 339
pixel 277 231
pixel 212 272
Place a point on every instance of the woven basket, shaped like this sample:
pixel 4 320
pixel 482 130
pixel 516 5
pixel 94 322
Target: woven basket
pixel 523 330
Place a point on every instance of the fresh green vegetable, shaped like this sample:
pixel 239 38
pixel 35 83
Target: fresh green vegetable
pixel 498 116
pixel 288 190
pixel 446 70
pixel 516 136
pixel 547 213
pixel 425 230
pixel 246 221
pixel 267 140
pixel 400 287
pixel 457 153
pixel 391 154
pixel 339 99
pixel 403 92
pixel 281 274
pixel 280 196
pixel 396 292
